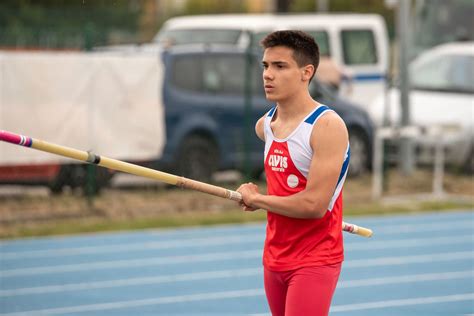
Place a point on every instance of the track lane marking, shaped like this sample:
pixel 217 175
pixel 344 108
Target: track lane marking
pixel 237 239
pixel 238 294
pixel 167 244
pixel 222 256
pixel 187 277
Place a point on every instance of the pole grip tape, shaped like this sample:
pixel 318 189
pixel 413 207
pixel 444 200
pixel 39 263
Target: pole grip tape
pixel 93 158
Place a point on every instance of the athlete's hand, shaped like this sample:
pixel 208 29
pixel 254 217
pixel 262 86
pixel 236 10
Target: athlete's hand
pixel 249 191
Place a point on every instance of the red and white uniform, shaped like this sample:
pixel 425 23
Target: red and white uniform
pixel 293 243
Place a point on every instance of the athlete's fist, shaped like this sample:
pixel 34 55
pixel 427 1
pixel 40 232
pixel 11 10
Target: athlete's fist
pixel 249 191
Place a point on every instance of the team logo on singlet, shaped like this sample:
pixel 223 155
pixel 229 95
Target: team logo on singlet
pixel 292 181
pixel 277 161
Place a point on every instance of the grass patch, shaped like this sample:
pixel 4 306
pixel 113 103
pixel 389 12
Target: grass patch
pixel 230 216
pixel 26 215
pixel 90 225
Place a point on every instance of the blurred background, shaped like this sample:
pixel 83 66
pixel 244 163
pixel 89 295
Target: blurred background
pixel 176 86
pixel 84 24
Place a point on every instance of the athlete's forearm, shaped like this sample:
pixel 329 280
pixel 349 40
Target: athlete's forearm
pixel 299 205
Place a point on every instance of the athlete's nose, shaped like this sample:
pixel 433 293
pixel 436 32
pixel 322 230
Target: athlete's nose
pixel 267 75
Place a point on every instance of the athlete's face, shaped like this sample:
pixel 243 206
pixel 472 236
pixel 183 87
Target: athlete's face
pixel 282 77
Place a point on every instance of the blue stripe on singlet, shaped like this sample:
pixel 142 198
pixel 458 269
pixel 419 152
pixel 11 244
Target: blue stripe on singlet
pixel 270 114
pixel 345 165
pixel 312 118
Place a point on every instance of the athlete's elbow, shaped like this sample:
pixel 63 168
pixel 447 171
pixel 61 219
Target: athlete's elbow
pixel 318 213
pixel 314 211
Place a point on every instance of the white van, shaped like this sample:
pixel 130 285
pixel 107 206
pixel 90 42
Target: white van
pixel 357 42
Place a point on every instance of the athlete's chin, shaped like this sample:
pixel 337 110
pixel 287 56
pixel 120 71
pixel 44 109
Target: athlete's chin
pixel 271 96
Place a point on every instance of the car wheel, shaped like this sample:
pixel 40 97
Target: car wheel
pixel 197 159
pixel 360 155
pixel 101 178
pixel 57 185
pixel 76 176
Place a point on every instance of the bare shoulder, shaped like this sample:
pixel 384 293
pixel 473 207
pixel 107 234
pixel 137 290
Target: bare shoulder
pixel 330 127
pixel 259 128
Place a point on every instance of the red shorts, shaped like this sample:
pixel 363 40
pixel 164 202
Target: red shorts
pixel 304 291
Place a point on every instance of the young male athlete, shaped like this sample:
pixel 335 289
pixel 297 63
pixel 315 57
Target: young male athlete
pixel 306 160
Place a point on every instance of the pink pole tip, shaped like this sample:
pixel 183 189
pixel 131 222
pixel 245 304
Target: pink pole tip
pixel 15 139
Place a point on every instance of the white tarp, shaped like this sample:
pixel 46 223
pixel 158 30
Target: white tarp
pixel 108 103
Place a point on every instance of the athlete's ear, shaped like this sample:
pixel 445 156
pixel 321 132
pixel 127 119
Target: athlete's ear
pixel 307 72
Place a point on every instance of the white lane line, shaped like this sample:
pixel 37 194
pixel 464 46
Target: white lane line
pixel 384 261
pixel 187 277
pixel 432 217
pixel 125 248
pixel 410 278
pixel 403 302
pixel 424 227
pixel 184 242
pixel 224 240
pixel 143 302
pixel 409 243
pixel 396 303
pixel 238 294
pixel 135 263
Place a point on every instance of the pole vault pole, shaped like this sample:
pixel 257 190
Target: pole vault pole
pixel 90 157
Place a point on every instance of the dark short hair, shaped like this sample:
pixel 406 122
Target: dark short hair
pixel 305 49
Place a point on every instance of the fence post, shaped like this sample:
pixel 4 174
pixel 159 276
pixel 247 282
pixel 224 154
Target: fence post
pixel 381 135
pixel 438 169
pixel 406 132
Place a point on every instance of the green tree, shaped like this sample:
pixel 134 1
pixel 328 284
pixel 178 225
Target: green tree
pixel 214 6
pixel 353 6
pixel 66 24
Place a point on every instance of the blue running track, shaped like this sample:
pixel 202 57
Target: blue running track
pixel 414 265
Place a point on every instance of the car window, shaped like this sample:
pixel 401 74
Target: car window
pixel 258 37
pixel 445 72
pixel 199 36
pixel 432 74
pixel 215 74
pixel 358 47
pixel 224 74
pixel 187 73
pixel 322 39
pixel 462 74
pixel 320 92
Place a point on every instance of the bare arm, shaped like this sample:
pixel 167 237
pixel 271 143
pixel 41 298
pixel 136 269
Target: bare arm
pixel 329 142
pixel 259 128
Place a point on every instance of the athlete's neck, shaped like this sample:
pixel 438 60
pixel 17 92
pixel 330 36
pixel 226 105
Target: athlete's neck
pixel 296 107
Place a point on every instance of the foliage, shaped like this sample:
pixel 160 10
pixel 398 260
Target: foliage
pixel 65 24
pixel 86 23
pixel 353 6
pixel 214 6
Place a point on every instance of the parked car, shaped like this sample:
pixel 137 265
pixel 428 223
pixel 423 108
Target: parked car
pixel 441 96
pixel 189 110
pixel 208 126
pixel 357 43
